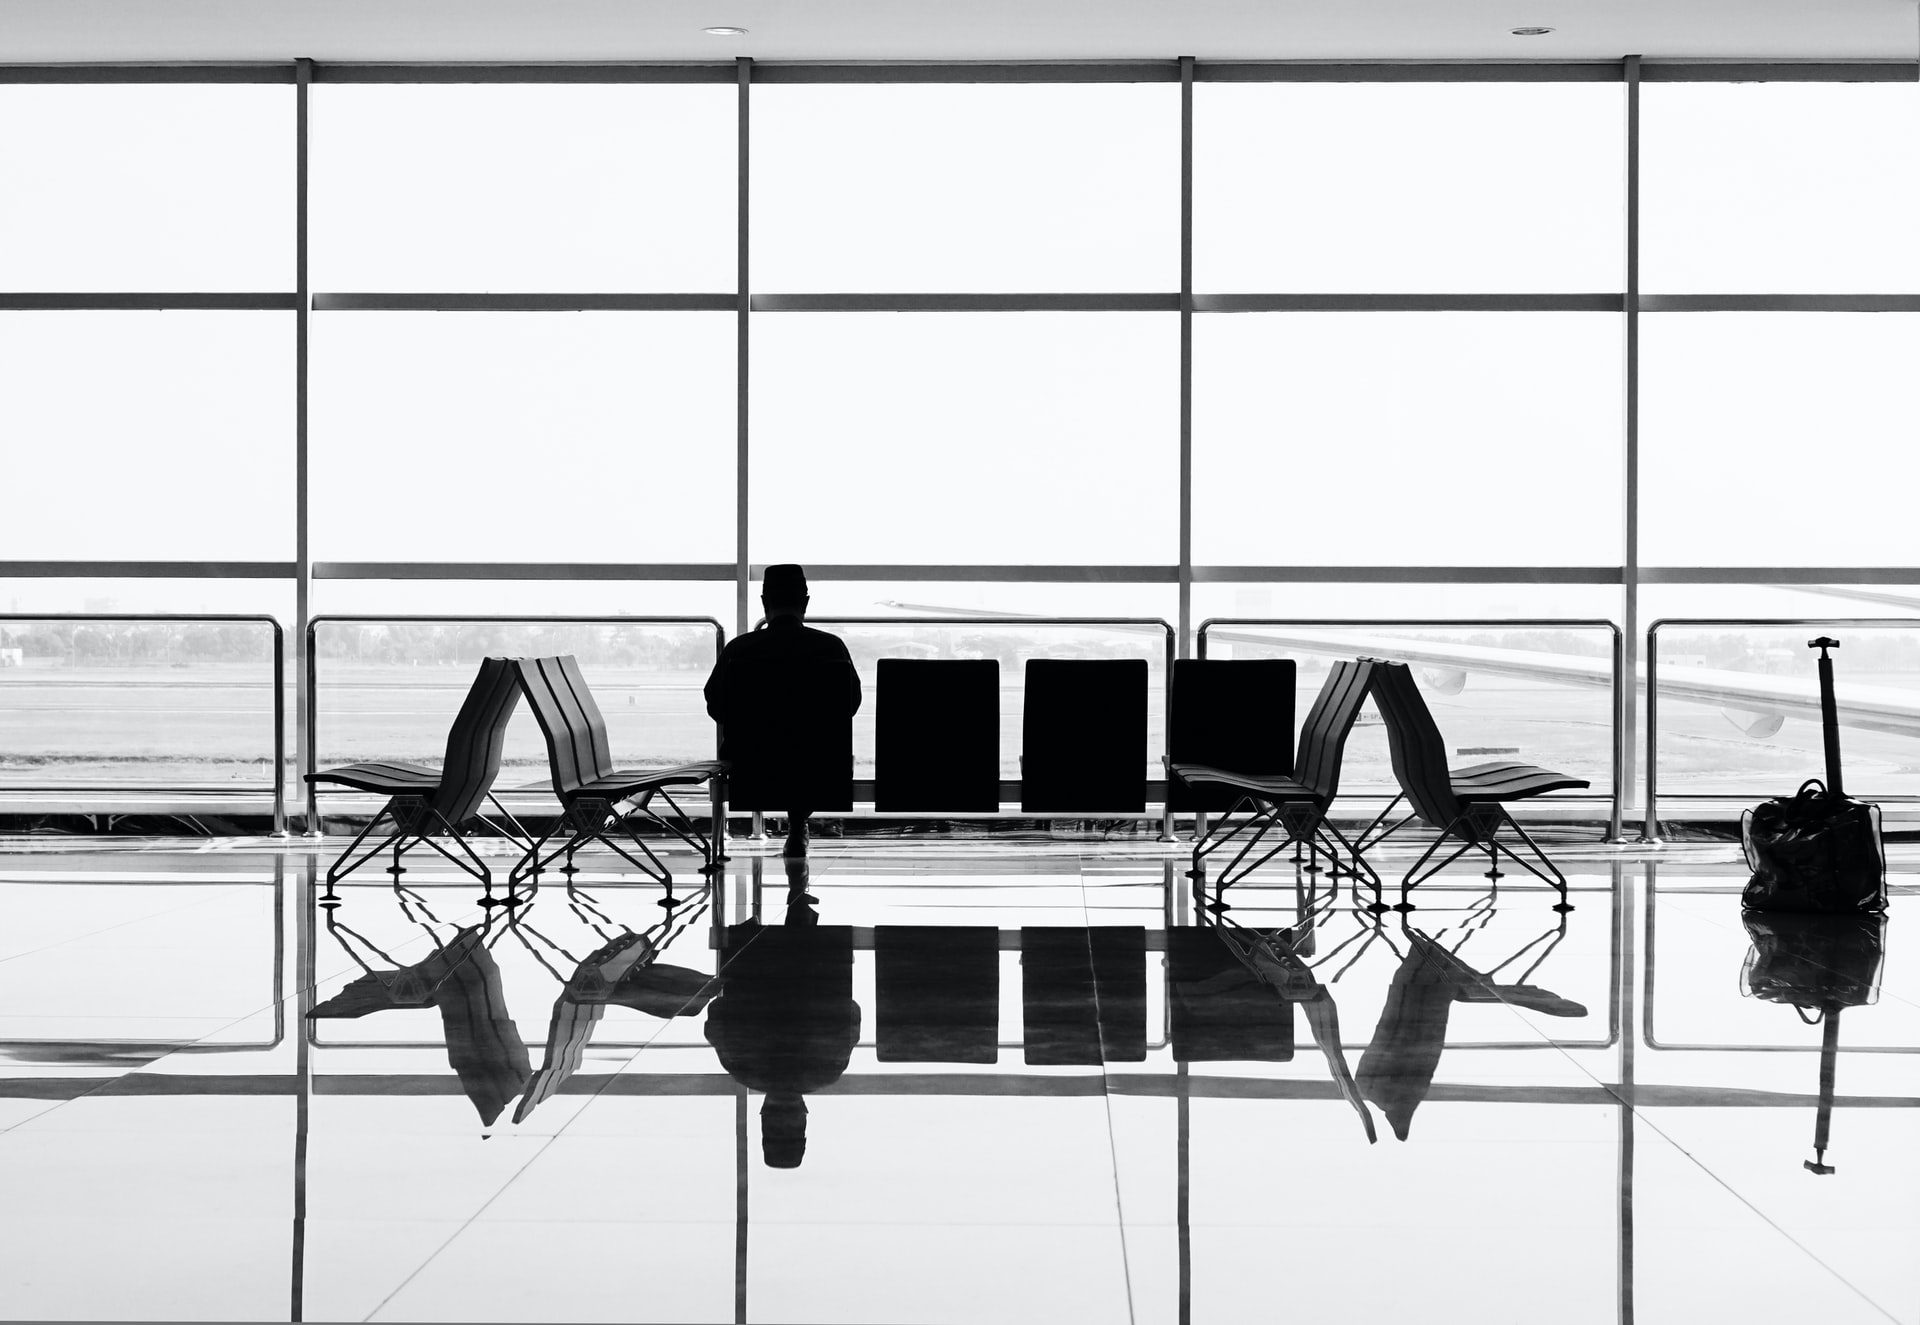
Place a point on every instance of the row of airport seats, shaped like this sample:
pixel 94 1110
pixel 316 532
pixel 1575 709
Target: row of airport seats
pixel 1084 751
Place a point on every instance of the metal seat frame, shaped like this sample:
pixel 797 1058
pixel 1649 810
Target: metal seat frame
pixel 1297 805
pixel 596 798
pixel 422 800
pixel 1468 803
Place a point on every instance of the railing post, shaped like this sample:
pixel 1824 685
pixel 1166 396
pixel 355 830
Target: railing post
pixel 1650 833
pixel 279 731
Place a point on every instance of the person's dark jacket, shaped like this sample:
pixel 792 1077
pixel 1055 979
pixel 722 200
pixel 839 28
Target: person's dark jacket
pixel 784 697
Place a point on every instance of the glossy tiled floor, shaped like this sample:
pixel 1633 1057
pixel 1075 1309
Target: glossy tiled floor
pixel 984 1082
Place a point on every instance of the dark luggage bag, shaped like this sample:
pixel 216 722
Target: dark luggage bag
pixel 1817 851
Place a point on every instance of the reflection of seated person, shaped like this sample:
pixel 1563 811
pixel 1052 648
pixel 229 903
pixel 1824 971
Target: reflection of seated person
pixel 784 696
pixel 786 1023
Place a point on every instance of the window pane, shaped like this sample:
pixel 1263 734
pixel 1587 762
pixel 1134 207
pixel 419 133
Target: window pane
pixel 1408 187
pixel 524 187
pixel 1777 439
pixel 1779 187
pixel 966 187
pixel 147 187
pixel 956 438
pixel 1407 439
pixel 156 436
pixel 523 436
pixel 138 703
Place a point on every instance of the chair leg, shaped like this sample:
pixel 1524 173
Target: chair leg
pixel 340 868
pixel 1552 873
pixel 1415 877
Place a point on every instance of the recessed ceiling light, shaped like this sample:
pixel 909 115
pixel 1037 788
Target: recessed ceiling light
pixel 1521 32
pixel 725 32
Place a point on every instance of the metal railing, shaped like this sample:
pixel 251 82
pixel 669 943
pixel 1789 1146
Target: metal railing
pixel 863 788
pixel 1615 679
pixel 311 717
pixel 278 787
pixel 1651 829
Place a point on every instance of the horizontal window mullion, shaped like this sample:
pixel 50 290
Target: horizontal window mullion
pixel 968 71
pixel 148 570
pixel 1409 303
pixel 967 303
pixel 986 574
pixel 188 72
pixel 525 303
pixel 1407 71
pixel 142 301
pixel 1769 575
pixel 1780 303
pixel 1408 574
pixel 1777 71
pixel 359 71
pixel 521 570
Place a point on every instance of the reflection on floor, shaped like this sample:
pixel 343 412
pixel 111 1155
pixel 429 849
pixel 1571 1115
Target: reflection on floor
pixel 996 1081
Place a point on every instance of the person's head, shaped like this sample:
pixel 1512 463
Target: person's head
pixel 783 1131
pixel 783 591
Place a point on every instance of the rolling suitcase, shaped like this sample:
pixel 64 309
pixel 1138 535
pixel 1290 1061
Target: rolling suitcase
pixel 1817 851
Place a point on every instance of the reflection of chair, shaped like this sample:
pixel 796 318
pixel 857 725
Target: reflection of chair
pixel 421 799
pixel 1396 1071
pixel 1297 804
pixel 1278 959
pixel 1468 803
pixel 595 797
pixel 462 980
pixel 624 971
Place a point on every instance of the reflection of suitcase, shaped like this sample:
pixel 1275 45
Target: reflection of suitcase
pixel 1818 850
pixel 1817 965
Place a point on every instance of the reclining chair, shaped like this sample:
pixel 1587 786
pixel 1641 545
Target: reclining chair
pixel 1468 803
pixel 1296 804
pixel 421 799
pixel 595 797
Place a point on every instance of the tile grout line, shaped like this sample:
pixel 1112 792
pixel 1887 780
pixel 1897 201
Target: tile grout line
pixel 1106 1100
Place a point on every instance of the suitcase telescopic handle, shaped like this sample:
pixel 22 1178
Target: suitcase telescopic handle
pixel 1829 714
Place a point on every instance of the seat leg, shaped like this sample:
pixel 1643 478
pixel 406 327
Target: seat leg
pixel 1552 873
pixel 1415 877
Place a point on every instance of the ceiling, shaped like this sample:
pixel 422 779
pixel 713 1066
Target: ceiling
pixel 61 30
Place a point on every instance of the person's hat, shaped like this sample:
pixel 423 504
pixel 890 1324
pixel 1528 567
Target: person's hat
pixel 784 582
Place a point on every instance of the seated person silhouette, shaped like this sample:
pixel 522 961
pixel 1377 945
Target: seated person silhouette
pixel 785 1023
pixel 784 697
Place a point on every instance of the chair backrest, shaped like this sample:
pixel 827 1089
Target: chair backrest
pixel 569 746
pixel 474 743
pixel 1323 736
pixel 591 723
pixel 1419 752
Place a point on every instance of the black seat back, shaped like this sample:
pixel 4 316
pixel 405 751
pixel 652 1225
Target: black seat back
pixel 590 725
pixel 937 735
pixel 476 739
pixel 1419 751
pixel 1323 736
pixel 1234 713
pixel 569 746
pixel 788 733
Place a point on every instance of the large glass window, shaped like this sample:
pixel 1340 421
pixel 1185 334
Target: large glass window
pixel 147 436
pixel 1001 438
pixel 966 187
pixel 139 187
pixel 1779 187
pixel 1407 439
pixel 524 436
pixel 524 187
pixel 1777 439
pixel 1457 187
